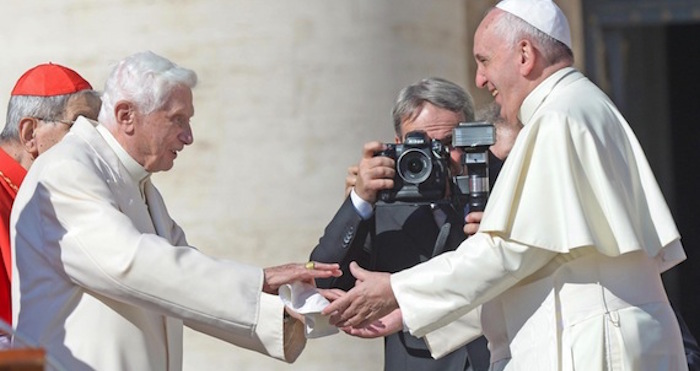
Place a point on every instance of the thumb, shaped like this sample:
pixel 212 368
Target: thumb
pixel 358 272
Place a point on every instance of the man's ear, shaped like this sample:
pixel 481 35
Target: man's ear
pixel 125 113
pixel 528 57
pixel 27 135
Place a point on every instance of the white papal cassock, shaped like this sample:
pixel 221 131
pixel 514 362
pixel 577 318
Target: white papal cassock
pixel 105 279
pixel 568 257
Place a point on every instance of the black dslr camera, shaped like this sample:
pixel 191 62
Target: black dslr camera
pixel 422 169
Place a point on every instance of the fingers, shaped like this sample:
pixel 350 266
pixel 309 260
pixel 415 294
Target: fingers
pixel 351 179
pixel 380 167
pixel 369 300
pixel 329 267
pixel 357 271
pixel 338 305
pixel 331 294
pixel 374 174
pixel 349 310
pixel 371 148
pixel 474 217
pixel 387 325
pixel 314 269
pixel 352 170
pixel 471 229
pixel 274 277
pixel 294 314
pixel 356 315
pixel 472 222
pixel 369 332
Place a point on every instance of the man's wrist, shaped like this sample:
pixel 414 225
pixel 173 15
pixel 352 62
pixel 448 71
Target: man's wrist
pixel 363 208
pixel 294 337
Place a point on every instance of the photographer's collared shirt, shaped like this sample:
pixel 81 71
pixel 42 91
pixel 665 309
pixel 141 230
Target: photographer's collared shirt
pixel 363 208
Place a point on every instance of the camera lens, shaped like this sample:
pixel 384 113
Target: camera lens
pixel 414 166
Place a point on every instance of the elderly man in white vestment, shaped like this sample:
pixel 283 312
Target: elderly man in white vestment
pixel 105 277
pixel 564 272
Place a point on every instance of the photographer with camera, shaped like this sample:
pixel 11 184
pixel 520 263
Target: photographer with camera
pixel 399 212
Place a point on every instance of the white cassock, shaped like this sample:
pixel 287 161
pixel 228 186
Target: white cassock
pixel 568 257
pixel 105 281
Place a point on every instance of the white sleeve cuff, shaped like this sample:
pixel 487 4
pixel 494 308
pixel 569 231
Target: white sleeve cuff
pixel 363 208
pixel 270 328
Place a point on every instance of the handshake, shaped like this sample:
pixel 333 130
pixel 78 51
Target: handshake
pixel 369 309
pixel 359 312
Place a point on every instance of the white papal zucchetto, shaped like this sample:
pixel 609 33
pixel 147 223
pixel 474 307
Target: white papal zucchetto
pixel 544 15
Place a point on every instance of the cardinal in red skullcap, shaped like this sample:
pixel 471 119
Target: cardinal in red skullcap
pixel 43 104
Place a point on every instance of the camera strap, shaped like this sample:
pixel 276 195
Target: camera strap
pixel 441 240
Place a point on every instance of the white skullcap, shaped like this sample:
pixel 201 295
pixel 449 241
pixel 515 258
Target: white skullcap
pixel 544 15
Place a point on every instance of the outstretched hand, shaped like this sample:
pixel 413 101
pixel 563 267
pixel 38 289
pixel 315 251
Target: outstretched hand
pixel 288 273
pixel 370 300
pixel 385 326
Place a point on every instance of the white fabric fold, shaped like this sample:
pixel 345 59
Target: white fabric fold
pixel 577 177
pixel 305 299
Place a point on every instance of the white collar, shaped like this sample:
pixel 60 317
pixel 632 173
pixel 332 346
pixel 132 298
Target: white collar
pixel 534 100
pixel 137 172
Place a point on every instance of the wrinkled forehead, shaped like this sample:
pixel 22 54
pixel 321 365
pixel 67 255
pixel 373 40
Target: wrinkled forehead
pixel 488 24
pixel 488 38
pixel 179 101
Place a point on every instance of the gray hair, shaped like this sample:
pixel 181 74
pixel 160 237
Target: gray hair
pixel 434 90
pixel 47 108
pixel 513 29
pixel 490 113
pixel 144 79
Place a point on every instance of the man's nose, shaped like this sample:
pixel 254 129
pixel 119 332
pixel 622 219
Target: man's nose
pixel 186 135
pixel 480 79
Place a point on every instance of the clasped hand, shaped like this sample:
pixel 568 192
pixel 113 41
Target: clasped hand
pixel 369 309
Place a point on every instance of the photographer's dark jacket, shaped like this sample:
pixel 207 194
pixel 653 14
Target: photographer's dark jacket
pixel 396 237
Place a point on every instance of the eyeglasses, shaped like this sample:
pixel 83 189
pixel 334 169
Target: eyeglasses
pixel 65 122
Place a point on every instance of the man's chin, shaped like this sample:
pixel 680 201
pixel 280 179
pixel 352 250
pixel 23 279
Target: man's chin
pixel 162 167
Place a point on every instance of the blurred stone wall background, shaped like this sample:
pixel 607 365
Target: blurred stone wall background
pixel 288 93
